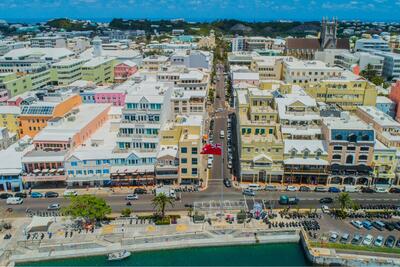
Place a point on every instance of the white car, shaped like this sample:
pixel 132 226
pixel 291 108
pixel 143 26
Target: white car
pixel 132 197
pixel 325 209
pixel 368 240
pixel 357 224
pixel 378 241
pixel 70 193
pixel 291 188
pixel 54 206
pixel 381 190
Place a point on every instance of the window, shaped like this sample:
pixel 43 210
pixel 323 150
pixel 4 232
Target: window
pixel 194 161
pixel 352 138
pixel 84 162
pixel 184 150
pixel 363 157
pixel 351 148
pixel 71 172
pixel 194 171
pixel 337 148
pixel 98 162
pixel 74 163
pixel 337 157
pixel 78 172
pixel 338 137
pixel 349 159
pixel 98 171
pixel 271 131
pixel 243 131
pixel 184 170
pixel 194 150
pixel 364 148
pixel 106 171
pixel 184 160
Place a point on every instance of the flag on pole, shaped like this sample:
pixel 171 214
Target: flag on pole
pixel 211 149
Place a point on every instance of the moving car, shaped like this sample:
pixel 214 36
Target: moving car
pixel 368 240
pixel 394 190
pixel 291 188
pixel 325 209
pixel 326 200
pixel 21 194
pixel 5 195
pixel 390 240
pixel 285 200
pixel 227 183
pixel 254 187
pixel 333 189
pixel 222 134
pixel 51 194
pixel 271 188
pixel 54 206
pixel 70 193
pixel 36 195
pixel 378 241
pixel 132 197
pixel 249 192
pixel 14 201
pixel 304 188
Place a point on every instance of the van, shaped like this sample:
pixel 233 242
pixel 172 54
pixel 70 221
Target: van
pixel 254 187
pixel 14 201
pixel 222 134
pixel 209 163
pixel 350 189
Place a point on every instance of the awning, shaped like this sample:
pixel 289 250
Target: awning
pixel 36 171
pixel 60 170
pixel 45 170
pixel 306 161
pixel 52 170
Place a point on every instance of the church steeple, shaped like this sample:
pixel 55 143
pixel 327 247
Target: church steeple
pixel 328 37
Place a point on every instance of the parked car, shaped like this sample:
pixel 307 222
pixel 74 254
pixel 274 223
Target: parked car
pixel 398 243
pixel 345 238
pixel 5 195
pixel 367 190
pixel 254 187
pixel 356 239
pixel 368 240
pixel 396 225
pixel 70 193
pixel 394 190
pixel 333 190
pixel 320 189
pixel 389 242
pixel 140 191
pixel 54 206
pixel 333 238
pixel 304 188
pixel 367 224
pixel 326 200
pixel 381 190
pixel 271 188
pixel 14 201
pixel 51 194
pixel 132 197
pixel 357 224
pixel 21 194
pixel 227 183
pixel 378 225
pixel 249 192
pixel 291 188
pixel 378 241
pixel 36 195
pixel 389 226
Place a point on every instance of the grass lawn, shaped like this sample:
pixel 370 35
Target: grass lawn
pixel 356 247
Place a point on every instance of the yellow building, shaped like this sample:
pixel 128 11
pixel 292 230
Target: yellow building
pixel 99 70
pixel 260 138
pixel 268 67
pixel 179 159
pixel 348 93
pixel 384 164
pixel 9 118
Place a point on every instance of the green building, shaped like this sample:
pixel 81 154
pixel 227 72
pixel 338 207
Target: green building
pixel 99 70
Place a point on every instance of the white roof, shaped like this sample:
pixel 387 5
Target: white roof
pixel 10 110
pixel 11 158
pixel 94 62
pixel 192 75
pixel 245 76
pixel 167 151
pixel 383 100
pixel 379 117
pixel 301 131
pixel 352 122
pixel 67 62
pixel 300 145
pixel 129 63
pixel 43 53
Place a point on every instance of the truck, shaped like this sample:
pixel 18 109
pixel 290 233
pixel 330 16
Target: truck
pixel 285 200
pixel 168 191
pixel 350 189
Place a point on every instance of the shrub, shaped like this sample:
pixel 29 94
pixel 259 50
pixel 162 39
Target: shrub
pixel 164 221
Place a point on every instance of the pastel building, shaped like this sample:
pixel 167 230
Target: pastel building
pixel 67 71
pixel 394 95
pixel 386 105
pixel 34 117
pixel 124 70
pixel 108 95
pixel 99 70
pixel 252 78
pixel 384 165
pixel 9 118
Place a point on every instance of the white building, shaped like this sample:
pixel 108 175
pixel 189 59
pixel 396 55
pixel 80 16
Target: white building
pixel 48 42
pixel 373 43
pixel 391 65
pixel 349 60
pixel 192 59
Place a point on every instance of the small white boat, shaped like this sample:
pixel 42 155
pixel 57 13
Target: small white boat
pixel 119 255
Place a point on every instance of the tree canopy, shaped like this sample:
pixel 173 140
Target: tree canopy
pixel 88 207
pixel 345 200
pixel 160 203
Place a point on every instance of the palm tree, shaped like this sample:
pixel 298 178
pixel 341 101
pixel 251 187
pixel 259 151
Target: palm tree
pixel 344 200
pixel 161 201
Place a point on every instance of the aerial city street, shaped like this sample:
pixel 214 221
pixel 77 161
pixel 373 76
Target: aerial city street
pixel 128 135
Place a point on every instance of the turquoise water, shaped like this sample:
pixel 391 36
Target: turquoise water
pixel 285 254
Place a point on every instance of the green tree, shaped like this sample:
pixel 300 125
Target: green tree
pixel 160 202
pixel 345 200
pixel 88 207
pixel 126 212
pixel 372 75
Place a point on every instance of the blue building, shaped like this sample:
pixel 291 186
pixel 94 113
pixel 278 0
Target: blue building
pixel 386 105
pixel 88 96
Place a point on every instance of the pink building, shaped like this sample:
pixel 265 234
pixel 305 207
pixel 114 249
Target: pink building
pixel 115 97
pixel 124 70
pixel 394 95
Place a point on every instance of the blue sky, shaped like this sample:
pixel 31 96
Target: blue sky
pixel 376 10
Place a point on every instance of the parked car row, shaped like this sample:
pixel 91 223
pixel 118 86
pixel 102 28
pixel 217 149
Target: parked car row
pixel 378 224
pixel 17 198
pixel 229 142
pixel 331 189
pixel 368 240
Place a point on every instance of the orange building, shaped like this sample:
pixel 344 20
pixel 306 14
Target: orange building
pixel 34 117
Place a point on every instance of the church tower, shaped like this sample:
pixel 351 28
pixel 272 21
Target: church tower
pixel 328 36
